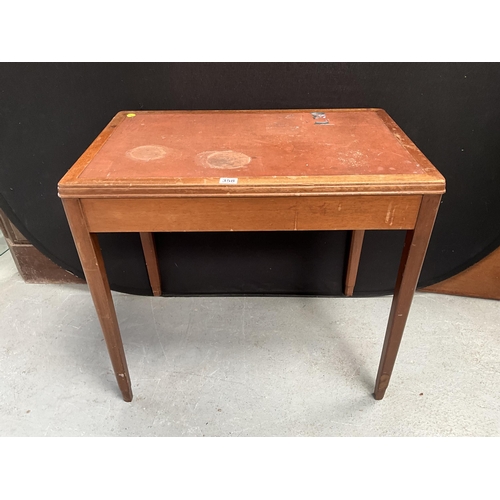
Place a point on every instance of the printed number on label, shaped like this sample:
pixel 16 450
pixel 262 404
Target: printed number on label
pixel 228 180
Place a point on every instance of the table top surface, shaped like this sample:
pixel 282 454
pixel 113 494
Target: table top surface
pixel 251 152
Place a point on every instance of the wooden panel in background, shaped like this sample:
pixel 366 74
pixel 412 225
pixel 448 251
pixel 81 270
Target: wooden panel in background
pixel 32 265
pixel 482 280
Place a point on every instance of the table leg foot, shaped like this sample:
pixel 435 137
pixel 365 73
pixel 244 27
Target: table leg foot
pixel 125 388
pixel 381 387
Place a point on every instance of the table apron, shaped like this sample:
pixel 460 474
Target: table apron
pixel 293 213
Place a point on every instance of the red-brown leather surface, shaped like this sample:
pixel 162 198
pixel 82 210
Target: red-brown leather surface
pixel 249 144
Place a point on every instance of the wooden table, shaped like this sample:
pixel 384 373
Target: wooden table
pixel 287 170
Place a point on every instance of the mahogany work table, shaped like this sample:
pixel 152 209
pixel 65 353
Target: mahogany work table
pixel 287 170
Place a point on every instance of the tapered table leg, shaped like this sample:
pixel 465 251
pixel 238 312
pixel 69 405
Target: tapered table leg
pixel 412 259
pixel 149 249
pixel 89 251
pixel 353 264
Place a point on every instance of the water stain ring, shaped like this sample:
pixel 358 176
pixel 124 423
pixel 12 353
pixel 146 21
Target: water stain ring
pixel 148 152
pixel 226 159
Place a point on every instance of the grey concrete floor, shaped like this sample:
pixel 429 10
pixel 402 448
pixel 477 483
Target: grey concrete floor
pixel 3 244
pixel 244 366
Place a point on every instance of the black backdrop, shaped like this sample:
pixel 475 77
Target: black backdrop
pixel 51 112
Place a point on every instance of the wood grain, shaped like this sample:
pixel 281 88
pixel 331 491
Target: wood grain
pixel 251 214
pixel 256 187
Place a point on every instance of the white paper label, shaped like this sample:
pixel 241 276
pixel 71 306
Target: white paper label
pixel 228 180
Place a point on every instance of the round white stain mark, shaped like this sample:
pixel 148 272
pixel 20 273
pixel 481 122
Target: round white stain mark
pixel 147 153
pixel 226 159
